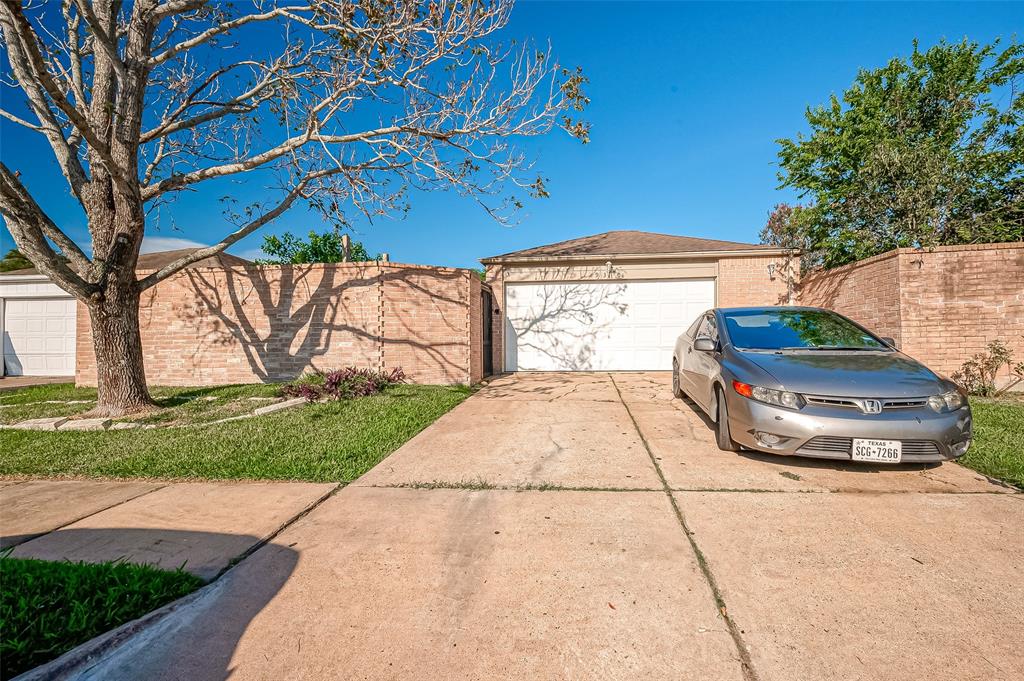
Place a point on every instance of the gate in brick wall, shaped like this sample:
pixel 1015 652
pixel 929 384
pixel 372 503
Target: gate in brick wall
pixel 487 310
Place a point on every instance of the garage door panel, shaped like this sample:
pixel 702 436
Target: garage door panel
pixel 39 337
pixel 568 326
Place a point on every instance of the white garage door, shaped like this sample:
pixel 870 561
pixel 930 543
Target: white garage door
pixel 39 336
pixel 586 326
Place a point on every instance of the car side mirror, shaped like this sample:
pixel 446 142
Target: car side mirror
pixel 705 345
pixel 891 342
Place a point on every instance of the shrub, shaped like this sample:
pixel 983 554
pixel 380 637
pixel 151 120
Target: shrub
pixel 977 375
pixel 48 608
pixel 344 384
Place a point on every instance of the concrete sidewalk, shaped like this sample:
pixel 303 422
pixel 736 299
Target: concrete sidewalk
pixel 585 526
pixel 202 527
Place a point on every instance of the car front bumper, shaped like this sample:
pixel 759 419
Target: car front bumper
pixel 828 432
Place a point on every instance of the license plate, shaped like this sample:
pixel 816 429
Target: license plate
pixel 879 451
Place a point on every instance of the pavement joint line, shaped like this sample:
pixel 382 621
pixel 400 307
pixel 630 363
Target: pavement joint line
pixel 893 492
pixel 487 487
pixel 746 664
pixel 87 515
pixel 273 535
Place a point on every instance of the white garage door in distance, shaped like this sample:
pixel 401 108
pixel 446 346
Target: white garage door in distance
pixel 39 337
pixel 600 326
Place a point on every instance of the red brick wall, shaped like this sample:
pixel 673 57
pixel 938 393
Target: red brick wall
pixel 867 292
pixel 942 306
pixel 207 326
pixel 744 281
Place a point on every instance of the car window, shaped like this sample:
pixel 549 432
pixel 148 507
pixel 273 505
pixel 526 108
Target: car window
pixel 712 328
pixel 707 329
pixel 797 329
pixel 691 332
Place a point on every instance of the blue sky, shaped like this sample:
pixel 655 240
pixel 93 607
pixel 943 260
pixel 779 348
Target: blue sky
pixel 687 101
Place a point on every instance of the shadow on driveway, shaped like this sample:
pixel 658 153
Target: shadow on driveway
pixel 110 655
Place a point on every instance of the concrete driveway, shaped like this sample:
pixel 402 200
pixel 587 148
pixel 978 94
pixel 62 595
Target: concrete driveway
pixel 584 526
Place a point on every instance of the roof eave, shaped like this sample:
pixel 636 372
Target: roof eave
pixel 513 259
pixel 4 276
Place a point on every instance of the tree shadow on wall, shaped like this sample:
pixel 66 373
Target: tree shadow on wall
pixel 822 288
pixel 285 319
pixel 282 318
pixel 563 324
pixel 404 331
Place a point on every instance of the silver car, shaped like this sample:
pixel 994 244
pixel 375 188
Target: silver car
pixel 809 382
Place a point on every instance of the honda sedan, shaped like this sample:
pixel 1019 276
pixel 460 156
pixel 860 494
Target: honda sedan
pixel 809 382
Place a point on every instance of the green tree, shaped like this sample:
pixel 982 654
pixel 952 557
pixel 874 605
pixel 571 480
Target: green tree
pixel 14 260
pixel 289 249
pixel 789 227
pixel 922 152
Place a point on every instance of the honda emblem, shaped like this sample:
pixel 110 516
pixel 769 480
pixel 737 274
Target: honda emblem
pixel 872 406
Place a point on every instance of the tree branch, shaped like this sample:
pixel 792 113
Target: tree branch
pixel 220 29
pixel 30 227
pixel 24 36
pixel 240 233
pixel 100 36
pixel 291 144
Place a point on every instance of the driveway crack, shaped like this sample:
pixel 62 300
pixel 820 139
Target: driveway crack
pixel 747 666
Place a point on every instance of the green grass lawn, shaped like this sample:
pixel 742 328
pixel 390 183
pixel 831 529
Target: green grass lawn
pixel 998 448
pixel 48 608
pixel 331 441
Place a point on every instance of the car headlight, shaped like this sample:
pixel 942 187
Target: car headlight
pixel 946 402
pixel 780 398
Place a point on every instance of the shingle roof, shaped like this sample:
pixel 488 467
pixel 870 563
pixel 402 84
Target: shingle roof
pixel 154 261
pixel 626 242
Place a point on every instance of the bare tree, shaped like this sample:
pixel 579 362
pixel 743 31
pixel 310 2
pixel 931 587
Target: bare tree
pixel 143 101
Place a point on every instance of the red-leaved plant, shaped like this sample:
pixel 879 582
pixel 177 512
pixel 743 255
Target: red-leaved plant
pixel 344 384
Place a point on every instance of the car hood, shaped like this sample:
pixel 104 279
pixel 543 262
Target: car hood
pixel 849 374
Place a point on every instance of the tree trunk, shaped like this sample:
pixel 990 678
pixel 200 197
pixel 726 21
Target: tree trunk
pixel 120 371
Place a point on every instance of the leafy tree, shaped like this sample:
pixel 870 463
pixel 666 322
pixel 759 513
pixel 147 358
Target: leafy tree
pixel 14 260
pixel 345 105
pixel 789 227
pixel 922 152
pixel 289 249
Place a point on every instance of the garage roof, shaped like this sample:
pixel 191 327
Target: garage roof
pixel 630 243
pixel 154 261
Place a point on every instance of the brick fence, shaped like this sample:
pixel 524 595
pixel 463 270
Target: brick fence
pixel 249 324
pixel 941 305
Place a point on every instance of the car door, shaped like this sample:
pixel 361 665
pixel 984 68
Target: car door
pixel 701 367
pixel 684 345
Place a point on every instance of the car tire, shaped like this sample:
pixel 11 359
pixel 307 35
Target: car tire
pixel 677 391
pixel 722 436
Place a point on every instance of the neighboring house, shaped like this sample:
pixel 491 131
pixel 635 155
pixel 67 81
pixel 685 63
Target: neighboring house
pixel 38 318
pixel 619 300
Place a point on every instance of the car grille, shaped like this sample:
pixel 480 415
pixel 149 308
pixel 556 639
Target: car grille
pixel 891 403
pixel 827 444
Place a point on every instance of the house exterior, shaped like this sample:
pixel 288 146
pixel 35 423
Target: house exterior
pixel 612 301
pixel 618 300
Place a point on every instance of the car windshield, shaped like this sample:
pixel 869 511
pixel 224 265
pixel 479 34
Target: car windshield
pixel 797 330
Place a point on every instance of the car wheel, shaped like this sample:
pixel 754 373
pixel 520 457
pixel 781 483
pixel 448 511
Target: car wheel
pixel 676 390
pixel 722 436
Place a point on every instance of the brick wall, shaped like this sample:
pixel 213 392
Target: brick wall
pixel 942 305
pixel 494 277
pixel 207 326
pixel 867 291
pixel 744 281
